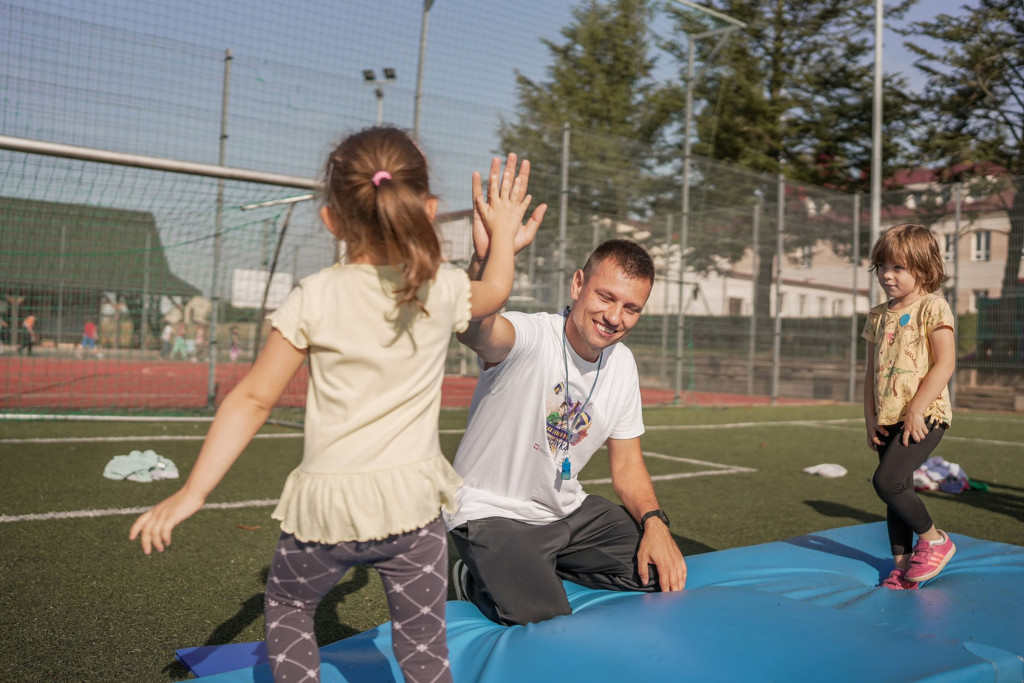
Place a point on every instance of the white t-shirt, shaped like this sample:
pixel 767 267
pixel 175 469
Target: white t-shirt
pixel 516 438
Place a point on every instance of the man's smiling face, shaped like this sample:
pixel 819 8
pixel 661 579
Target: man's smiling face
pixel 606 306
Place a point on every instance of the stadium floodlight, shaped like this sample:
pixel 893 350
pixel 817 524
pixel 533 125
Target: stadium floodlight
pixel 722 33
pixel 370 78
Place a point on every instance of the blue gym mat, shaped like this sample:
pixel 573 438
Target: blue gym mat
pixel 802 609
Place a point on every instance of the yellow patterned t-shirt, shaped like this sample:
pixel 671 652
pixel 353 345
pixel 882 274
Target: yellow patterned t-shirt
pixel 903 356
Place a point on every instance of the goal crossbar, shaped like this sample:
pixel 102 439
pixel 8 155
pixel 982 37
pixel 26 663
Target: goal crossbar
pixel 54 149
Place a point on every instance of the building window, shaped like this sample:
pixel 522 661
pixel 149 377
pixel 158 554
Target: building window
pixel 949 251
pixel 735 306
pixel 801 302
pixel 837 308
pixel 822 307
pixel 981 249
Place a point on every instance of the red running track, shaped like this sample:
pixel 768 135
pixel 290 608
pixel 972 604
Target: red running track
pixel 60 383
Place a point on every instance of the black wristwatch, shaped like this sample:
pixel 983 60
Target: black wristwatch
pixel 660 514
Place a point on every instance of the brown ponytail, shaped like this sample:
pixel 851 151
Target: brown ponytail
pixel 376 188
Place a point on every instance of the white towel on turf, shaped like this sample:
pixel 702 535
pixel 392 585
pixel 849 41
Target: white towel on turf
pixel 829 470
pixel 141 466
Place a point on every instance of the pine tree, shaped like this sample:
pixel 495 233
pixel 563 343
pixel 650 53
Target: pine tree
pixel 791 93
pixel 973 108
pixel 599 83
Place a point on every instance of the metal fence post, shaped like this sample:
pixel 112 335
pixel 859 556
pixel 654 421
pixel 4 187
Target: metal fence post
pixel 957 206
pixel 665 308
pixel 563 211
pixel 780 226
pixel 211 337
pixel 681 318
pixel 851 394
pixel 755 263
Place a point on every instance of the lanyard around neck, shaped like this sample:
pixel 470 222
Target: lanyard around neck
pixel 568 425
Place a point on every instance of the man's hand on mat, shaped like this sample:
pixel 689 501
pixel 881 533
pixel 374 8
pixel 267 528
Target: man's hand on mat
pixel 154 527
pixel 657 547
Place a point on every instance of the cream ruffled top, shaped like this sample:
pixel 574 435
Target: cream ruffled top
pixel 372 464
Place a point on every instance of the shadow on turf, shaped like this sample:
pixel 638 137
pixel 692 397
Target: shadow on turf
pixel 688 546
pixel 993 500
pixel 829 508
pixel 326 624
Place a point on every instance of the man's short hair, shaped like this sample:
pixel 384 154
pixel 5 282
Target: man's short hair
pixel 632 259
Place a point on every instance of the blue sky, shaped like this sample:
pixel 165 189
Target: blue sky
pixel 145 77
pixel 297 68
pixel 896 58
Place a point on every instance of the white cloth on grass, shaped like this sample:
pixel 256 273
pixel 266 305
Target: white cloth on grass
pixel 829 470
pixel 141 466
pixel 937 473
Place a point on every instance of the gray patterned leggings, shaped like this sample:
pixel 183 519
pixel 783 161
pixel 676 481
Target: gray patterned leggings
pixel 414 569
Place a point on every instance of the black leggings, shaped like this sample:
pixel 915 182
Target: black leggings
pixel 894 484
pixel 414 569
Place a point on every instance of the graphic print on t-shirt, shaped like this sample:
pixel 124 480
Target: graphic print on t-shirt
pixel 567 422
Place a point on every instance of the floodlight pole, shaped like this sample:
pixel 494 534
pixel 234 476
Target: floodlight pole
pixel 876 146
pixel 563 211
pixel 725 32
pixel 418 100
pixel 211 337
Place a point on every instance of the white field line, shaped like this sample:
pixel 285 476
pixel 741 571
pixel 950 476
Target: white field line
pixel 779 423
pixel 110 512
pixel 987 442
pixel 18 417
pixel 112 439
pixel 959 439
pixel 718 469
pixel 839 423
pixel 86 439
pixel 728 425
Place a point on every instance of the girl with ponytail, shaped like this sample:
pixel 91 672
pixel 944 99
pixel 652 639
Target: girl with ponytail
pixel 375 329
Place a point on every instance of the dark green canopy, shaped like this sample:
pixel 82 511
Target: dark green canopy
pixel 45 245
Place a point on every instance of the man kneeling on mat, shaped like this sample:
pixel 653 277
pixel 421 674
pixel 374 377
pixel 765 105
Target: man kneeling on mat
pixel 553 389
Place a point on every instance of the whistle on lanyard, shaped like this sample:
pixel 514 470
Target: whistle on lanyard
pixel 566 469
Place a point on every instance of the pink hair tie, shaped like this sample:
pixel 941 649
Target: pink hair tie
pixel 379 176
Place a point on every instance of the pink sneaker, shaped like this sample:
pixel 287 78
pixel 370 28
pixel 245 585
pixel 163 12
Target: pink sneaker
pixel 928 560
pixel 896 582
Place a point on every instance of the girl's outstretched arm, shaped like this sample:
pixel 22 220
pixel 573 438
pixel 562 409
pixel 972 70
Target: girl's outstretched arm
pixel 501 215
pixel 239 417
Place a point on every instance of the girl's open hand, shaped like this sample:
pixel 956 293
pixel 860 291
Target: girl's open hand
pixel 154 526
pixel 506 204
